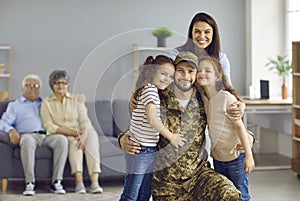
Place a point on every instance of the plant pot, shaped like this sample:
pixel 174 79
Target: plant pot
pixel 284 91
pixel 2 69
pixel 161 42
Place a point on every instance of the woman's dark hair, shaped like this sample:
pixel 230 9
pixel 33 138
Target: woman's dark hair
pixel 213 49
pixel 223 83
pixel 57 75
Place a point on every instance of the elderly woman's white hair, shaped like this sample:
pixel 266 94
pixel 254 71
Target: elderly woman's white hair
pixel 31 76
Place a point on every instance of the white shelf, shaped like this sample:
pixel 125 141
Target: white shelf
pixel 165 50
pixel 5 47
pixel 136 47
pixel 4 75
pixel 296 139
pixel 6 55
pixel 296 74
pixel 296 106
pixel 155 48
pixel 297 121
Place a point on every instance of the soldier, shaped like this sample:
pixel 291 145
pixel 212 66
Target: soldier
pixel 184 174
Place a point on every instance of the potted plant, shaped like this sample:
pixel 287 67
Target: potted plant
pixel 161 34
pixel 283 67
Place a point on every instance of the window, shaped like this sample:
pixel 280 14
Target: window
pixel 292 23
pixel 292 29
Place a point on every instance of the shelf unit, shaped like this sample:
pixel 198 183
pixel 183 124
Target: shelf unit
pixel 296 107
pixel 6 77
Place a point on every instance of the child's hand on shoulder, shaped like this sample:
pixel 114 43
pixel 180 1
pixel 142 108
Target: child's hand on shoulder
pixel 80 98
pixel 178 140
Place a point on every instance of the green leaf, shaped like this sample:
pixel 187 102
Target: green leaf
pixel 281 65
pixel 162 32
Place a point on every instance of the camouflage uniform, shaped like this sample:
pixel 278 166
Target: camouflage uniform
pixel 184 173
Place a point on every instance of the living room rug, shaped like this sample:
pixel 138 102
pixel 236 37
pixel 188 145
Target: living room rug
pixel 112 191
pixel 105 196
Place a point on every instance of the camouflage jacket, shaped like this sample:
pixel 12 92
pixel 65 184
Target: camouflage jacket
pixel 178 168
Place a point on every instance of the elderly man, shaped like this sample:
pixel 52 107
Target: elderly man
pixel 23 124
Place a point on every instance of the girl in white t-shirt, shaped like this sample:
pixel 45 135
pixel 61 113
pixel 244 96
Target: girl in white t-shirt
pixel 224 132
pixel 145 125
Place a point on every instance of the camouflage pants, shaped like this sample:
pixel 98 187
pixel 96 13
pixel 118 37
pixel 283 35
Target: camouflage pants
pixel 210 186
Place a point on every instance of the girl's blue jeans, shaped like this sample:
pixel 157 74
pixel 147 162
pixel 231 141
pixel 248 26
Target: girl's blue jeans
pixel 138 177
pixel 234 170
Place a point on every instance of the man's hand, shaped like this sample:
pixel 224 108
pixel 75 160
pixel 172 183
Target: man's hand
pixel 14 136
pixel 236 110
pixel 129 146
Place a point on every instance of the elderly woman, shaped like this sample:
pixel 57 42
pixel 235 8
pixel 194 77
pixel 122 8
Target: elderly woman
pixel 62 114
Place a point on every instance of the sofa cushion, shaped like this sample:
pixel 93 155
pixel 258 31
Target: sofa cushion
pixel 3 106
pixel 100 114
pixel 121 115
pixel 4 138
pixel 109 146
pixel 112 156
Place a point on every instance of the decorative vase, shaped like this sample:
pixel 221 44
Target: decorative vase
pixel 2 69
pixel 161 41
pixel 284 90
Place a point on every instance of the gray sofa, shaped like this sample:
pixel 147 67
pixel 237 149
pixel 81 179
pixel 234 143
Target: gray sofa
pixel 108 118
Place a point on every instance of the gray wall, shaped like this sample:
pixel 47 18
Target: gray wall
pixel 92 39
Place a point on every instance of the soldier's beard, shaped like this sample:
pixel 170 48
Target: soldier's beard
pixel 181 87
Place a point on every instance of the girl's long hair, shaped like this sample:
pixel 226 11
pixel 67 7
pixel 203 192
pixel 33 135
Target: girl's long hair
pixel 223 83
pixel 146 73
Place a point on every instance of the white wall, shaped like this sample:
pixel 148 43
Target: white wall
pixel 267 39
pixel 62 34
pixel 92 39
pixel 265 33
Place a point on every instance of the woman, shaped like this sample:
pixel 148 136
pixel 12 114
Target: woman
pixel 62 114
pixel 204 35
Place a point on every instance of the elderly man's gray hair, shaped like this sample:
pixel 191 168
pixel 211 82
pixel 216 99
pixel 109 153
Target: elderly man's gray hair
pixel 31 76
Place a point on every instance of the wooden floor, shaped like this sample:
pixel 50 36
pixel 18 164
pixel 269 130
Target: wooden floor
pixel 273 179
pixel 272 161
pixel 274 185
pixel 265 185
